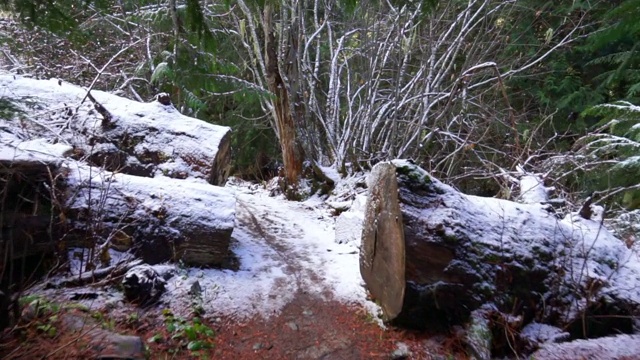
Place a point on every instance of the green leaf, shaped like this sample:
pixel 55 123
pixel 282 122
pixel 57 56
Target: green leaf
pixel 196 345
pixel 155 338
pixel 52 331
pixel 190 332
pixel 171 327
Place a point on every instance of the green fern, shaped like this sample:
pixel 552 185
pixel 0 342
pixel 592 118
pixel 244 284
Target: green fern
pixel 162 73
pixel 612 151
pixel 619 67
pixel 194 102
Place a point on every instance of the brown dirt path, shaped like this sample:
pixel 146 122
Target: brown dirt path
pixel 311 326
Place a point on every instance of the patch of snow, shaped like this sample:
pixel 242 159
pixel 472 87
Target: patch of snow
pixel 349 223
pixel 14 149
pixel 79 258
pixel 535 334
pixel 331 172
pixel 293 250
pixel 532 190
pixel 612 348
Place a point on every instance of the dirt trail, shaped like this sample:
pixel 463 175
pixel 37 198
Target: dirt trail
pixel 310 326
pixel 271 232
pixel 313 325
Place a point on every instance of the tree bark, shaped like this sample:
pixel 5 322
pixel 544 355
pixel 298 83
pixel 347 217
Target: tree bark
pixel 430 256
pixel 285 122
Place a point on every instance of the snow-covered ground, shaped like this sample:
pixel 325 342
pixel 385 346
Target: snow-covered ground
pixel 283 247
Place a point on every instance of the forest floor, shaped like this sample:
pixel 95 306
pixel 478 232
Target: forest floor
pixel 297 294
pixel 312 325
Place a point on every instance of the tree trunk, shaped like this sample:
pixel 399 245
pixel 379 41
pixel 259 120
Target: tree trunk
pixel 285 122
pixel 430 256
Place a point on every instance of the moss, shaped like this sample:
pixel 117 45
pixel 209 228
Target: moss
pixel 479 336
pixel 492 258
pixel 487 291
pixel 450 238
pixel 413 173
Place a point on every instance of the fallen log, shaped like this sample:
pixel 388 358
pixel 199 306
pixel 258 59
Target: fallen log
pixel 161 219
pixel 121 135
pixel 430 256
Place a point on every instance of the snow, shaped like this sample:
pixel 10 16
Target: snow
pixel 12 149
pixel 180 200
pixel 535 334
pixel 613 348
pixel 295 252
pixel 53 109
pixel 622 105
pixel 79 258
pixel 331 173
pixel 532 189
pixel 349 223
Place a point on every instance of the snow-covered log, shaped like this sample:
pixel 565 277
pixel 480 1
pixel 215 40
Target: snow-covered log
pixel 114 172
pixel 620 347
pixel 143 139
pixel 431 255
pixel 162 219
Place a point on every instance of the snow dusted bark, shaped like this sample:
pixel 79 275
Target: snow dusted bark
pixel 142 139
pixel 442 254
pixel 160 219
pixel 142 180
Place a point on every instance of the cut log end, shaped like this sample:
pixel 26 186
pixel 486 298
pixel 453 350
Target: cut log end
pixel 382 257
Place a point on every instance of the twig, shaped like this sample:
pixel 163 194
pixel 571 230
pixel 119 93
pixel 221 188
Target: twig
pixel 105 66
pixel 101 109
pixel 92 276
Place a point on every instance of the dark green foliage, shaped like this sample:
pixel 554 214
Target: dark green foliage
pixel 610 155
pixel 57 16
pixel 617 52
pixel 599 68
pixel 8 108
pixel 559 83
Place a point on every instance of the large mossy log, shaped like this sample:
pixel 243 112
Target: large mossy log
pixel 431 255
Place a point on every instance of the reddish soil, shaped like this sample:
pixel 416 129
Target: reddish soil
pixel 309 328
pixel 306 328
